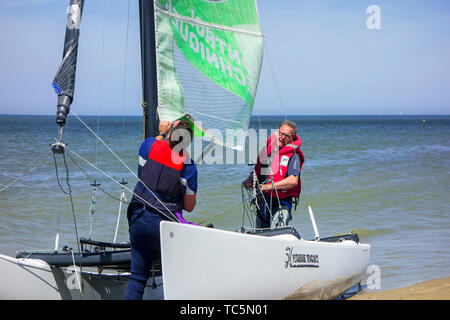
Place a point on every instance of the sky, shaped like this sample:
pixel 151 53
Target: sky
pixel 320 57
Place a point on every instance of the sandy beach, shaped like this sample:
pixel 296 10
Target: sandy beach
pixel 437 289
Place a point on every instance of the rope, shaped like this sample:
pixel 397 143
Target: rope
pixel 28 171
pixel 122 196
pixel 246 202
pixel 57 176
pixel 100 91
pixel 256 193
pixel 125 70
pixel 275 80
pixel 76 275
pixel 92 209
pixel 92 180
pixel 126 166
pixel 71 201
pixel 108 176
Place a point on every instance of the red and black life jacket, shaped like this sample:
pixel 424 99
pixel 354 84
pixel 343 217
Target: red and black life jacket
pixel 279 164
pixel 161 174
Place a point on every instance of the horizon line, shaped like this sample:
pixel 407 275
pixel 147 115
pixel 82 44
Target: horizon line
pixel 253 115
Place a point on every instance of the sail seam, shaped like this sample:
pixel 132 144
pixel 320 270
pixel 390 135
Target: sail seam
pixel 206 24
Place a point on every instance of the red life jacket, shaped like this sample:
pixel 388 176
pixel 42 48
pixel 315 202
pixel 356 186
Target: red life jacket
pixel 279 166
pixel 161 174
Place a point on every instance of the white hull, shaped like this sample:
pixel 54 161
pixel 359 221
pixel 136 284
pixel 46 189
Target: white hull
pixel 30 279
pixel 205 263
pixel 25 279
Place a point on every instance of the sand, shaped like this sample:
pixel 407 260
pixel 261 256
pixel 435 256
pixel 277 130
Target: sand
pixel 438 289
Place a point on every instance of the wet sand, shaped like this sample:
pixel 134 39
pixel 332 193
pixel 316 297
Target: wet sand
pixel 438 289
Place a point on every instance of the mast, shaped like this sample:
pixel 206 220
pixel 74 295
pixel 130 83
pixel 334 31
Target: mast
pixel 148 68
pixel 64 82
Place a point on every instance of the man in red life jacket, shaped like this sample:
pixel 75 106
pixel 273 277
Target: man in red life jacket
pixel 278 171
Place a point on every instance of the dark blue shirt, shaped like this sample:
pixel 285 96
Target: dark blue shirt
pixel 294 166
pixel 188 173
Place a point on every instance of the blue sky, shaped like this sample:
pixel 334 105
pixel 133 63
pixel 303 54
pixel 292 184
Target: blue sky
pixel 319 54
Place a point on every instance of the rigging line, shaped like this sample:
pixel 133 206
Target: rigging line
pixel 258 189
pixel 122 196
pixel 275 80
pixel 28 171
pixel 57 176
pixel 92 209
pixel 246 201
pixel 125 70
pixel 76 274
pixel 126 166
pixel 92 181
pixel 58 217
pixel 73 210
pixel 263 197
pixel 100 91
pixel 305 192
pixel 174 218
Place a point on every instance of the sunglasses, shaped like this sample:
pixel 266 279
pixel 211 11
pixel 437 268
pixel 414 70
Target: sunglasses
pixel 284 135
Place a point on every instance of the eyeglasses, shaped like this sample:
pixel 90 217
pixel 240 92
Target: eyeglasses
pixel 284 135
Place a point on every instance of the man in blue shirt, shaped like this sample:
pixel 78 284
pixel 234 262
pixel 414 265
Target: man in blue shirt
pixel 167 185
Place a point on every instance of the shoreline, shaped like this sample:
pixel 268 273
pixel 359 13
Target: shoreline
pixel 437 289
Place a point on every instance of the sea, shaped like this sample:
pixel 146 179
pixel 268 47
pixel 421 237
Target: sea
pixel 386 178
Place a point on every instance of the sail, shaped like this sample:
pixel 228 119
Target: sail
pixel 209 56
pixel 64 82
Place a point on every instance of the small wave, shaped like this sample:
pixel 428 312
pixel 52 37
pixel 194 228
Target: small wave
pixel 366 233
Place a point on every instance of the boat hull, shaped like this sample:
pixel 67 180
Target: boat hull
pixel 33 279
pixel 205 263
pixel 27 279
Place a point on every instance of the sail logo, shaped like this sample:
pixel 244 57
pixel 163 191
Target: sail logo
pixel 300 260
pixel 212 49
pixel 216 51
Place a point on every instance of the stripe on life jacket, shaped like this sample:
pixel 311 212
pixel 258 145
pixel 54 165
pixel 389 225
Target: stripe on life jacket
pixel 161 153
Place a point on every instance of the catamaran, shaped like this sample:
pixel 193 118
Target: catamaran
pixel 201 61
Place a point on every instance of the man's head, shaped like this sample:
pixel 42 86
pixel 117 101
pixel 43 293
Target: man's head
pixel 181 135
pixel 286 133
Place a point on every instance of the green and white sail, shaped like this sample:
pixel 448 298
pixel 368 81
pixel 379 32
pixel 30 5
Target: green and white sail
pixel 209 56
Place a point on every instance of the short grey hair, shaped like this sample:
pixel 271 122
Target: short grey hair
pixel 289 123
